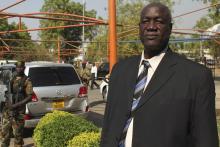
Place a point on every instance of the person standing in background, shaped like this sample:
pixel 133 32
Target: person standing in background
pixel 93 76
pixel 85 74
pixel 14 110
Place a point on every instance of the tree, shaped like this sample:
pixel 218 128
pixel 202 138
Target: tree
pixel 208 21
pixel 20 44
pixel 128 12
pixel 98 49
pixel 16 46
pixel 73 34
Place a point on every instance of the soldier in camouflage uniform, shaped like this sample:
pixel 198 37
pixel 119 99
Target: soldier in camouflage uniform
pixel 76 67
pixel 85 74
pixel 14 110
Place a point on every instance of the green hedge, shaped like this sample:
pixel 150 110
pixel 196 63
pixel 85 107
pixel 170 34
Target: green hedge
pixel 91 139
pixel 57 128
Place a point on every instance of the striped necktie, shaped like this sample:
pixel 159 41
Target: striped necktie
pixel 139 89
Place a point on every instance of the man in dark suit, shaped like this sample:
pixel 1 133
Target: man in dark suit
pixel 176 106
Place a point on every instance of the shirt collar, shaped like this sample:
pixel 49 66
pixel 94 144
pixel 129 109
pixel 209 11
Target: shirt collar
pixel 154 61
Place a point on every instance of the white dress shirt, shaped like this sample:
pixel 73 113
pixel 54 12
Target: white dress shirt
pixel 154 62
pixel 94 70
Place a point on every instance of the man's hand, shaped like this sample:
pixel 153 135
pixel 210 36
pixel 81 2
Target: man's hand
pixel 9 106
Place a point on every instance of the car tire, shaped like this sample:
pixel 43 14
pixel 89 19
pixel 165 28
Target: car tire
pixel 104 94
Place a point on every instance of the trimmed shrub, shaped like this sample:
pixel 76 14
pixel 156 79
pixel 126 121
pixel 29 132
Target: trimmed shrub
pixel 91 139
pixel 57 128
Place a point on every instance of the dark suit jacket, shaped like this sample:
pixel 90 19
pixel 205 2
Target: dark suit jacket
pixel 176 110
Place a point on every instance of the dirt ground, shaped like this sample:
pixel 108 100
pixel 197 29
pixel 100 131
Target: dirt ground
pixel 217 72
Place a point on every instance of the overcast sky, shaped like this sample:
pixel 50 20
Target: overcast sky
pixel 182 6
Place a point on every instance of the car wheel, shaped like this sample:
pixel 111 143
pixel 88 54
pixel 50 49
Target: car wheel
pixel 104 94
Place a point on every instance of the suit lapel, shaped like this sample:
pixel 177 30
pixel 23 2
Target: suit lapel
pixel 162 74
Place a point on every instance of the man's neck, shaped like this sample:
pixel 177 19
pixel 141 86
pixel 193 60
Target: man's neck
pixel 151 53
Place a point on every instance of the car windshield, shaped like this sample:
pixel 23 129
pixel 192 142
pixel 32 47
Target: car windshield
pixel 52 76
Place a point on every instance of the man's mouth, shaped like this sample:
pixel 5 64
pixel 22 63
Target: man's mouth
pixel 151 37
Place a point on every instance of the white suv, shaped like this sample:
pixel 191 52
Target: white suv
pixel 56 86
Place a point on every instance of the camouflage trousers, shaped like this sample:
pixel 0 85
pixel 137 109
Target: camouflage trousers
pixel 85 81
pixel 11 124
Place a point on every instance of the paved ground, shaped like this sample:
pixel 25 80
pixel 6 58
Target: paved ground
pixel 217 90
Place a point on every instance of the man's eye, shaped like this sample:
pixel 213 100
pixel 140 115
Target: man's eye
pixel 145 21
pixel 159 21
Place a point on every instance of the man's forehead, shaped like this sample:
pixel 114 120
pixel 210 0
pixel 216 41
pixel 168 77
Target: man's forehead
pixel 156 11
pixel 151 12
pixel 20 64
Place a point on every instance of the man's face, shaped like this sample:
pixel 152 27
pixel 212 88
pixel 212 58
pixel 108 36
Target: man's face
pixel 155 28
pixel 20 70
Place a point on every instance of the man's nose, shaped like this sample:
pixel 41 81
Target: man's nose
pixel 152 26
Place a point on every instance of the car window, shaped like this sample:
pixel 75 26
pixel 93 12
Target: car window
pixel 52 76
pixel 104 66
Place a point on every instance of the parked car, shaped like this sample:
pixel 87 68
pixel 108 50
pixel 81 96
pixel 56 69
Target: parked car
pixel 210 62
pixel 6 71
pixel 55 87
pixel 104 88
pixel 3 90
pixel 103 70
pixel 2 62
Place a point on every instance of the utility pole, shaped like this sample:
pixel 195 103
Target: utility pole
pixel 83 30
pixel 112 33
pixel 201 47
pixel 58 48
